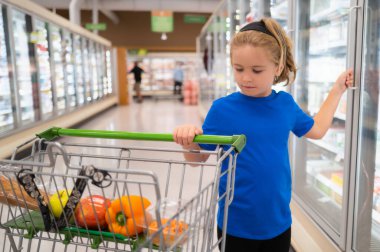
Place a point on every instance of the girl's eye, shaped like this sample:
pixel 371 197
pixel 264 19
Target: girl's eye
pixel 256 71
pixel 238 70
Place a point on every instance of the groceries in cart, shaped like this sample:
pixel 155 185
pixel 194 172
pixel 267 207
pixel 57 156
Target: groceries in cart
pixel 173 229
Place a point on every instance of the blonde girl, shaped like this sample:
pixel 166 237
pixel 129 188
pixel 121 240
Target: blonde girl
pixel 259 218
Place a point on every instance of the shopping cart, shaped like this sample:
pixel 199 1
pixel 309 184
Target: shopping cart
pixel 70 196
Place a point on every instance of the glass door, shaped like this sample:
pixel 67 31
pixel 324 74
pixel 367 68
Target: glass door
pixel 367 209
pixel 79 78
pixel 59 79
pixel 23 68
pixel 86 72
pixel 99 68
pixel 43 65
pixel 321 55
pixel 68 63
pixel 108 69
pixel 93 71
pixel 103 68
pixel 6 111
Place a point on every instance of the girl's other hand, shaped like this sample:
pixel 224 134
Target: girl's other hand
pixel 184 135
pixel 344 81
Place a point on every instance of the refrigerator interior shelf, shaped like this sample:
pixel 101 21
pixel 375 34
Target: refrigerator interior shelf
pixel 2 124
pixel 335 47
pixel 327 146
pixel 340 116
pixel 330 13
pixel 5 111
pixel 335 188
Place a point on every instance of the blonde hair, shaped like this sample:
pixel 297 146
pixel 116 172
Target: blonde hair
pixel 279 46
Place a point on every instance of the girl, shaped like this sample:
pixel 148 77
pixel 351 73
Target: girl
pixel 259 218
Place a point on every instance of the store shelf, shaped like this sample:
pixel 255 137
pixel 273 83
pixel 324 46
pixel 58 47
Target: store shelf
pixel 5 111
pixel 327 146
pixel 336 47
pixel 340 116
pixel 331 13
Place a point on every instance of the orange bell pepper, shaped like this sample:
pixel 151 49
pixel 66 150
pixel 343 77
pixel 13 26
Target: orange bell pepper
pixel 126 215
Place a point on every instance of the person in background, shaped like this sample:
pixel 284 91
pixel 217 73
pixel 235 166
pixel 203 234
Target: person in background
pixel 178 78
pixel 137 72
pixel 259 217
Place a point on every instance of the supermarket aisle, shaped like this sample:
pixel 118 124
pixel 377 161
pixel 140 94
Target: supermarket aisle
pixel 150 116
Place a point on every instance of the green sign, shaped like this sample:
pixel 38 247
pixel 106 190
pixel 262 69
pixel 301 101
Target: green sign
pixel 194 19
pixel 98 27
pixel 220 26
pixel 138 52
pixel 162 21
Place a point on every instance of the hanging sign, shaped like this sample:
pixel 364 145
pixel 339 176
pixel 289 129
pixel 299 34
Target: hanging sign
pixel 97 27
pixel 194 19
pixel 138 52
pixel 162 21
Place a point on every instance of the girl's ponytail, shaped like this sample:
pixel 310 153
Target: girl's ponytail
pixel 286 60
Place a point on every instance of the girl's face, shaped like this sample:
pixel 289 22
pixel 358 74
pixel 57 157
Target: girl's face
pixel 254 72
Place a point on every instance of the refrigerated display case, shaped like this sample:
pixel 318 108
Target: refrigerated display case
pixel 43 65
pixel 157 78
pixel 79 75
pixel 6 111
pixel 322 53
pixel 41 77
pixel 214 67
pixel 26 97
pixel 58 69
pixel 68 64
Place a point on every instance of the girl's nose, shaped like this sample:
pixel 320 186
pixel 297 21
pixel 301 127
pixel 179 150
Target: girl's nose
pixel 246 77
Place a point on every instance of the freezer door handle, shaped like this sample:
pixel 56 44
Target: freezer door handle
pixel 351 57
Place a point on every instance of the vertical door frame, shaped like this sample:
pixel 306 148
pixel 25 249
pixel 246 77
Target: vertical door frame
pixel 52 69
pixel 74 61
pixel 35 75
pixel 356 63
pixel 18 119
pixel 61 31
pixel 8 26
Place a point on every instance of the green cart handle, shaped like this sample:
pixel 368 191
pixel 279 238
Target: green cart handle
pixel 237 141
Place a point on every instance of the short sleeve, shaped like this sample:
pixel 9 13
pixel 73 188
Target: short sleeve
pixel 211 126
pixel 302 121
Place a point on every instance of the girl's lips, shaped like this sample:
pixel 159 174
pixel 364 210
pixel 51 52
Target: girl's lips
pixel 248 87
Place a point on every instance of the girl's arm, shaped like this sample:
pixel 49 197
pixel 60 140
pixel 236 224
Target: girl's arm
pixel 324 117
pixel 184 136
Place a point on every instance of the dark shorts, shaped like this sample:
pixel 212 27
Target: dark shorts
pixel 280 243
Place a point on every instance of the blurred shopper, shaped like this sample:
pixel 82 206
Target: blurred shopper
pixel 259 217
pixel 178 78
pixel 137 72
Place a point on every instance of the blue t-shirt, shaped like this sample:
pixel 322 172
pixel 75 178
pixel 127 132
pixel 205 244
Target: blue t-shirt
pixel 260 209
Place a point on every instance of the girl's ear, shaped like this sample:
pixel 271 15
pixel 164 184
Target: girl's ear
pixel 279 69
